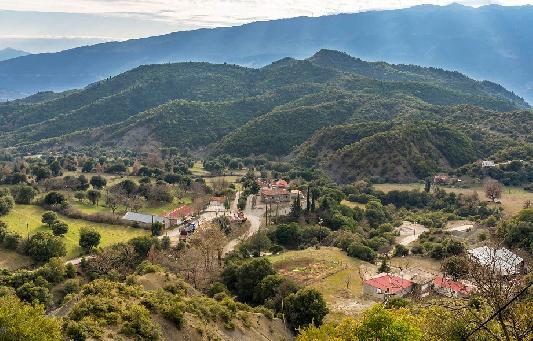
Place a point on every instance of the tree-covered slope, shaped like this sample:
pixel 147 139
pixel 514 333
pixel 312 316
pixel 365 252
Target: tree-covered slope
pixel 406 152
pixel 158 91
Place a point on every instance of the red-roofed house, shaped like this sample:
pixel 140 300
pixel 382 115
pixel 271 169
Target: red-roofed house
pixel 280 184
pixel 450 288
pixel 179 215
pixel 275 195
pixel 384 285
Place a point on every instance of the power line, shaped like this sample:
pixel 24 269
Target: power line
pixel 499 310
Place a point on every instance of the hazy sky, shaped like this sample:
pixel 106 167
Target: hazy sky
pixel 36 25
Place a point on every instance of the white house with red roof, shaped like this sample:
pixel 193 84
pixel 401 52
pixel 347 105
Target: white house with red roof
pixel 386 285
pixel 450 288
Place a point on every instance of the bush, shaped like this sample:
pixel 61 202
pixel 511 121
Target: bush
pixel 307 306
pixel 6 204
pixel 12 240
pixel 49 218
pixel 71 286
pixel 361 251
pixel 43 245
pixel 400 251
pixel 20 321
pixel 89 238
pixel 59 228
pixel 138 324
pixel 54 199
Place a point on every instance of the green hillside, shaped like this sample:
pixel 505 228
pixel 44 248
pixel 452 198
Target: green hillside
pixel 308 108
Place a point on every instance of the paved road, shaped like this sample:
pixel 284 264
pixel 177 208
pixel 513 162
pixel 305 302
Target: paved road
pixel 253 216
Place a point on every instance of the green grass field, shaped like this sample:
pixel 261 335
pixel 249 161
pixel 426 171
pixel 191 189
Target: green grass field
pixel 330 271
pixel 26 219
pixel 513 198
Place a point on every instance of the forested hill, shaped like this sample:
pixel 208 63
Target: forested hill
pixel 490 42
pixel 229 109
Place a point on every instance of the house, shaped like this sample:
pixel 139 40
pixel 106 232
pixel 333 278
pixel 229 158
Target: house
pixel 501 260
pixel 447 287
pixel 269 196
pixel 281 184
pixel 386 285
pixel 441 179
pixel 147 219
pixel 296 193
pixel 179 215
pixel 487 163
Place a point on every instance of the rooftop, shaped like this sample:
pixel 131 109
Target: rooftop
pixel 272 192
pixel 389 283
pixel 502 259
pixel 143 218
pixel 180 212
pixel 448 283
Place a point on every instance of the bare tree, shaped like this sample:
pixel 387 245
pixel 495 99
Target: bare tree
pixel 493 189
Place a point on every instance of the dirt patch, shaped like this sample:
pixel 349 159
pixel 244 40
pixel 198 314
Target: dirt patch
pixel 305 271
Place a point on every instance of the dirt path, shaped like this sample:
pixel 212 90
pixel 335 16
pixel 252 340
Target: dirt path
pixel 409 232
pixel 459 225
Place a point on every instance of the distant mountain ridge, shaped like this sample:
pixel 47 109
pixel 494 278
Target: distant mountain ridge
pixel 9 53
pixel 490 42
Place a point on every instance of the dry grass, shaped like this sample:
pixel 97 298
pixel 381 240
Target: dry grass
pixel 330 271
pixel 513 198
pixel 12 260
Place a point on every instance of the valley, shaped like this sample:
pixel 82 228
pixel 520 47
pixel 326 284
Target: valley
pixel 300 200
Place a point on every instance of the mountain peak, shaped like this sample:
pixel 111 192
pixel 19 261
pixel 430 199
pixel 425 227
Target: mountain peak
pixel 8 53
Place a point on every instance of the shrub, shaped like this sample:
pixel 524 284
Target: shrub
pixel 6 204
pixel 43 245
pixel 307 306
pixel 361 251
pixel 49 218
pixel 89 238
pixel 401 250
pixel 59 228
pixel 54 199
pixel 12 240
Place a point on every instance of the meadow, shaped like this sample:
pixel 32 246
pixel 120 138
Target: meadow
pixel 26 220
pixel 330 271
pixel 512 200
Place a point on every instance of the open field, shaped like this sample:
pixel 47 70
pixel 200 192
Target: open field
pixel 12 260
pixel 352 204
pixel 89 208
pixel 26 219
pixel 330 271
pixel 112 179
pixel 513 198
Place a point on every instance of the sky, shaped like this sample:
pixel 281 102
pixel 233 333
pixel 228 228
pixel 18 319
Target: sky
pixel 52 25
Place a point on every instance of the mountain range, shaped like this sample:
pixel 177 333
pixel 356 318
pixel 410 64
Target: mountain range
pixel 333 111
pixel 9 53
pixel 490 42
